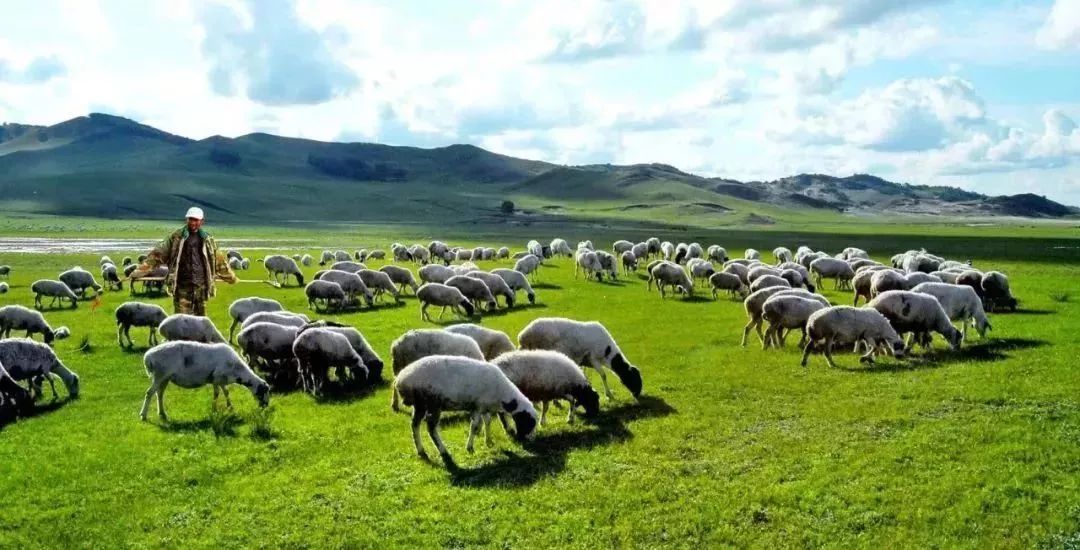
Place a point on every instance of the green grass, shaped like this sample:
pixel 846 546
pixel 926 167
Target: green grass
pixel 728 445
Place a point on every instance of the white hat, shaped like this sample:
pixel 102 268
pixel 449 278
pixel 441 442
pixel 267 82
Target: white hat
pixel 194 212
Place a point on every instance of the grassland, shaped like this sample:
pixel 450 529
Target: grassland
pixel 728 445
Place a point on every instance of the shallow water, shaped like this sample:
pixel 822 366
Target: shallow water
pixel 47 245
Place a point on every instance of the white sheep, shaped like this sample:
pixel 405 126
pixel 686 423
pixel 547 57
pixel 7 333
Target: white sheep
pixel 192 328
pixel 671 274
pixel 681 251
pixel 495 284
pixel 502 253
pixel 620 246
pixel 434 273
pixel 419 343
pixel 516 281
pixel 640 251
pixel 767 281
pixel 306 260
pixel 947 276
pixel 437 294
pixel 279 268
pixel 738 270
pixel 16 317
pixel 348 265
pixel 493 343
pixel 317 350
pixel 782 255
pixel 57 290
pixel 608 264
pixel 420 254
pixel 629 261
pixel 588 262
pixel 138 314
pixel 78 280
pixel 885 280
pixel 844 324
pixel 283 318
pixel 755 302
pixel 25 359
pixel 401 276
pixel 852 253
pixel 445 383
pixel 832 268
pixel 787 312
pixel 995 286
pixel 588 343
pixel 560 247
pixel 111 277
pixel 360 345
pixel 527 265
pixel 654 245
pixel 380 283
pixel 700 269
pixel 474 289
pixel 760 271
pixel 236 263
pixel 331 294
pixel 243 308
pixel 545 376
pixel 716 253
pixel 916 314
pixel 268 345
pixel 960 303
pixel 351 283
pixel 752 254
pixel 195 364
pixel 729 282
pixel 667 251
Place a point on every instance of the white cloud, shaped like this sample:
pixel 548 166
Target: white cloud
pixel 1062 26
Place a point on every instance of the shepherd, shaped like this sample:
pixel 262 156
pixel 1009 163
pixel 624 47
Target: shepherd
pixel 194 264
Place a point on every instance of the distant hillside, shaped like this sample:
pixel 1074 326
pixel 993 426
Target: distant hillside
pixel 108 166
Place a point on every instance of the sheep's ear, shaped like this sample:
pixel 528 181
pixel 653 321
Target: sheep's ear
pixel 510 406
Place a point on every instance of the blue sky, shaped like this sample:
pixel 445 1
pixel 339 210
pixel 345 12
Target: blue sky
pixel 978 94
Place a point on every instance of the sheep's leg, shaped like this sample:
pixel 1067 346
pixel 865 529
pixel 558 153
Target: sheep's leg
pixel 120 335
pixel 828 351
pixel 543 412
pixel 423 312
pixel 570 415
pixel 768 337
pixel 52 386
pixel 433 432
pixel 417 417
pixel 603 377
pixel 441 313
pixel 225 390
pixel 395 403
pixel 161 400
pixel 746 331
pixel 146 401
pixel 806 351
pixel 757 325
pixel 153 336
pixel 487 430
pixel 869 357
pixel 475 425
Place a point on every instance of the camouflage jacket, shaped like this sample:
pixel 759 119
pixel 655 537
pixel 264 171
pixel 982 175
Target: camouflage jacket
pixel 169 252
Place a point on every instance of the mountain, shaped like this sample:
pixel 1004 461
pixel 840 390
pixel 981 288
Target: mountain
pixel 107 166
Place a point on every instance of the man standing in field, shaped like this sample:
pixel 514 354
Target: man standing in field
pixel 194 263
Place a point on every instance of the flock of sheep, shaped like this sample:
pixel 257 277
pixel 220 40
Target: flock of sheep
pixel 467 367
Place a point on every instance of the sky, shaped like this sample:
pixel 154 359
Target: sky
pixel 982 95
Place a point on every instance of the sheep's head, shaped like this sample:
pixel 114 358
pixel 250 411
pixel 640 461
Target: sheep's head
pixel 532 298
pixel 374 370
pixel 587 398
pixel 897 347
pixel 492 305
pixel 261 391
pixel 469 309
pixel 628 374
pixel 954 336
pixel 524 418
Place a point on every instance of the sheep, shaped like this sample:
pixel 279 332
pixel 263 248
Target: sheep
pixel 4 288
pixel 105 260
pixel 317 350
pixel 760 271
pixel 434 384
pixel 620 246
pixel 332 295
pixel 306 260
pixel 417 344
pixel 195 364
pixel 886 280
pixel 278 266
pixel 852 253
pixel 701 269
pixel 527 265
pixel 138 314
pixel 798 278
pixel 807 259
pixel 640 251
pixel 111 278
pixel 243 308
pixel 862 283
pixel 681 251
pixel 377 254
pixel 496 285
pixel 492 343
pixel 463 254
pixel 954 265
pixel 326 257
pixel 588 343
pixel 586 244
pixel 478 253
pixel 245 264
pixel 609 263
pixel 653 245
pixel 434 273
pixel 235 263
pixel 767 281
pixel 846 324
pixel 629 262
pixel 995 286
pixel 16 317
pixel 380 283
pixel 502 253
pixel 694 250
pixel 420 254
pixel 192 328
pixel 919 314
pixel 754 303
pixel 832 268
pixel 921 262
pixel 860 263
pixel 752 254
pixel 57 290
pixel 960 303
pixel 545 376
pixel 782 255
pixel 5 271
pixel 716 253
pixel 474 289
pixel 589 263
pixel 269 345
pixel 401 276
pixel 671 274
pixel 351 283
pixel 740 271
pixel 535 248
pixel 973 279
pixel 787 312
pixel 360 345
pixel 283 318
pixel 438 294
pixel 667 250
pixel 516 281
pixel 348 265
pixel 947 276
pixel 729 282
pixel 78 280
pixel 25 359
pixel 341 256
pixel 129 269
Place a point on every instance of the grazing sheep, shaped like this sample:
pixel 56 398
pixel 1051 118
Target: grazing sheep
pixel 527 265
pixel 886 280
pixel 516 281
pixel 806 259
pixel 629 262
pixel 438 294
pixel 463 255
pixel 608 263
pixel 138 314
pixel 269 346
pixel 341 256
pixel 738 270
pixel 474 289
pixel 716 253
pixel 973 279
pixel 243 308
pixel 283 318
pixel 767 281
pixel 351 283
pixel 832 268
pixel 380 283
pixel 417 344
pixel 349 266
pixel 782 255
pixel 5 271
pixel 544 376
pixel 230 254
pixel 862 283
pixel 921 262
pixel 681 251
pixel 995 286
pixel 434 273
pixel 129 269
pixel 331 294
pixel 843 324
pixel 640 251
pixel 25 359
pixel 752 254
pixel 317 350
pixel 105 260
pixel 760 271
pixel 111 278
pixel 326 257
pixel 496 285
pixel 279 268
pixel 360 345
pixel 654 245
pixel 245 264
pixel 377 254
pixel 918 314
pixel 441 383
pixel 670 274
pixel 798 278
pixel 492 343
pixel 852 253
pixel 195 364
pixel 755 302
pixel 960 303
pixel 57 290
pixel 729 282
pixel 502 253
pixel 4 288
pixel 192 328
pixel 306 260
pixel 559 247
pixel 236 263
pixel 78 280
pixel 420 254
pixel 787 312
pixel 401 276
pixel 16 317
pixel 700 269
pixel 535 248
pixel 860 263
pixel 588 343
pixel 621 246
pixel 589 263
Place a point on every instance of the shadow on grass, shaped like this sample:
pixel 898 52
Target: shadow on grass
pixel 8 416
pixel 335 392
pixel 985 351
pixel 1025 311
pixel 548 286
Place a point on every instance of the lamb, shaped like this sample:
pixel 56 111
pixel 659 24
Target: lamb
pixel 527 265
pixel 25 359
pixel 268 345
pixel 401 276
pixel 782 255
pixel 317 350
pixel 589 343
pixel 192 328
pixel 434 273
pixel 729 282
pixel 283 318
pixel 351 283
pixel 360 345
pixel 306 260
pixel 496 285
pixel 492 343
pixel 545 376
pixel 55 289
pixel 960 304
pixel 16 317
pixel 434 384
pixel 850 324
pixel 755 302
pixel 716 253
pixel 138 314
pixel 629 262
pixel 670 274
pixel 918 314
pixel 417 344
pixel 331 294
pixel 787 312
pixel 78 280
pixel 195 364
pixel 243 308
pixel 502 253
pixel 474 289
pixel 768 281
pixel 111 278
pixel 832 268
pixel 380 283
pixel 438 294
pixel 516 281
pixel 995 286
pixel 280 267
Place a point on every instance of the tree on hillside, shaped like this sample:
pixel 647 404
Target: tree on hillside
pixel 507 207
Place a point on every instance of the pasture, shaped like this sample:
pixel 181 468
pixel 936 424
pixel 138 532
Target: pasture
pixel 727 445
